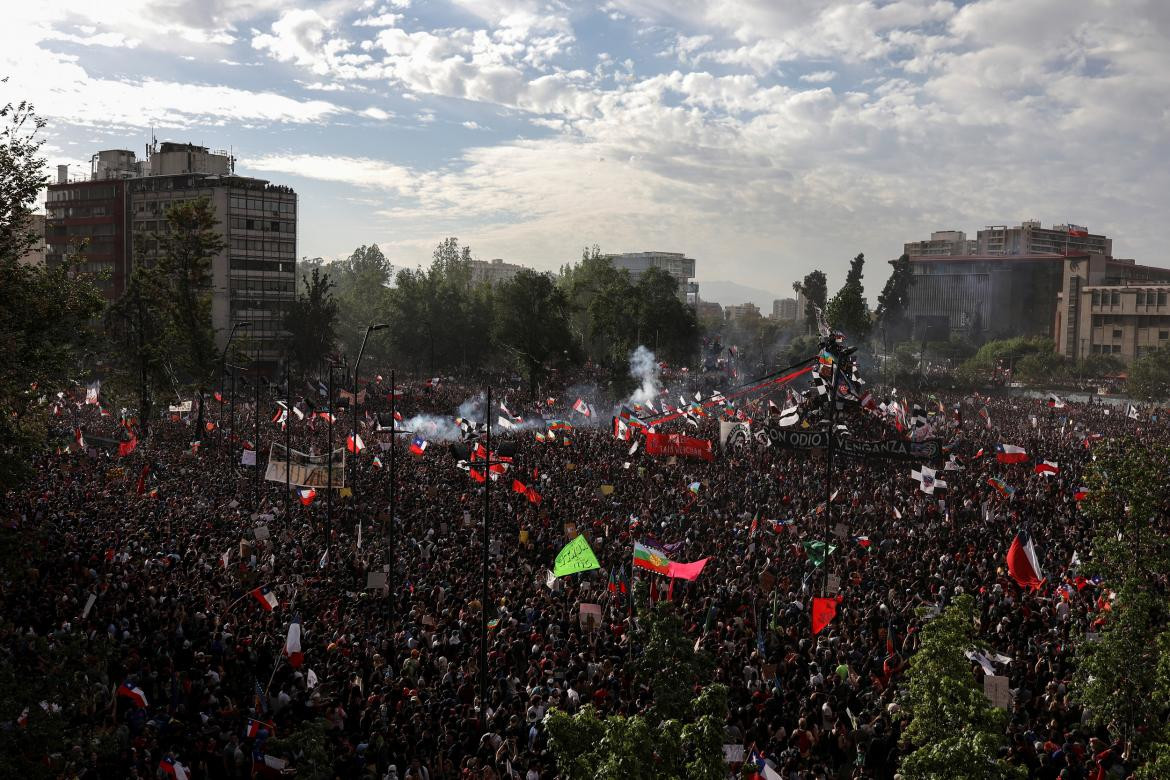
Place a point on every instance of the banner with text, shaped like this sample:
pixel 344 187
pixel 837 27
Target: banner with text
pixel 677 444
pixel 305 470
pixel 894 449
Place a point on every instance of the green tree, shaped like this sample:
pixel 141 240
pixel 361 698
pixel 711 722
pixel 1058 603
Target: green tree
pixel 1043 368
pixel 955 730
pixel 1149 376
pixel 1117 676
pixel 815 289
pixel 664 320
pixel 848 312
pixel 186 247
pixel 680 736
pixel 312 322
pixel 45 322
pixel 308 747
pixel 532 324
pixel 893 302
pixel 139 350
pixel 362 292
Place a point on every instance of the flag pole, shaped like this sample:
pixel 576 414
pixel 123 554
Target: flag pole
pixel 329 453
pixel 390 583
pixel 829 470
pixel 280 656
pixel 288 418
pixel 487 491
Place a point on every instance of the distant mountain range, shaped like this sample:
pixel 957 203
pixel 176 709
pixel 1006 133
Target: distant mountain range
pixel 725 293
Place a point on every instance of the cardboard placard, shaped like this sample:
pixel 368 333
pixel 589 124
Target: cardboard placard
pixel 590 612
pixel 733 754
pixel 996 689
pixel 375 580
pixel 841 531
pixel 260 532
pixel 833 583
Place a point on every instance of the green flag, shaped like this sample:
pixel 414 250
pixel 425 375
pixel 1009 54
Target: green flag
pixel 818 551
pixel 574 557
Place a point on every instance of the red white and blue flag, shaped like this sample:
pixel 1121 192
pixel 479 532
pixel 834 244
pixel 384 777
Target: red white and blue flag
pixel 172 768
pixel 1048 467
pixel 306 495
pixel 255 726
pixel 418 445
pixel 133 693
pixel 1010 453
pixel 1022 562
pixel 266 597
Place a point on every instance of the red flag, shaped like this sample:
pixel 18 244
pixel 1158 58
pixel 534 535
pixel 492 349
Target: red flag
pixel 519 487
pixel 142 479
pixel 823 612
pixel 126 447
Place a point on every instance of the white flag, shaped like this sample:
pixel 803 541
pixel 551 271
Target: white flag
pixel 248 458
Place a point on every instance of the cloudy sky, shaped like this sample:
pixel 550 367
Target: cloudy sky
pixel 763 138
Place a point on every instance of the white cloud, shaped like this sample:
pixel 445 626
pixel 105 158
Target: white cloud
pixel 819 76
pixel 471 125
pixel 381 20
pixel 376 113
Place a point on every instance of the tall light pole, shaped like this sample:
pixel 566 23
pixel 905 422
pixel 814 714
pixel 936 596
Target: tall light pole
pixel 395 432
pixel 357 367
pixel 223 366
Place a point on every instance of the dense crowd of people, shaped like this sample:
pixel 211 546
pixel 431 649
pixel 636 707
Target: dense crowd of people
pixel 169 544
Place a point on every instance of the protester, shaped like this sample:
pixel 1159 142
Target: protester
pixel 392 678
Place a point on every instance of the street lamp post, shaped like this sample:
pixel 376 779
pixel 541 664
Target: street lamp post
pixel 357 367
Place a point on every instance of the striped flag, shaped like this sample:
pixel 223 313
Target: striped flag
pixel 266 597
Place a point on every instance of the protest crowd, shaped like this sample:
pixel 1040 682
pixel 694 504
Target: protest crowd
pixel 161 562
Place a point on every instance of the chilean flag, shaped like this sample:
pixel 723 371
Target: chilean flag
pixel 172 768
pixel 1022 562
pixel 1048 467
pixel 1081 494
pixel 266 597
pixel 1010 453
pixel 418 445
pixel 306 495
pixel 292 645
pixel 255 726
pixel 133 693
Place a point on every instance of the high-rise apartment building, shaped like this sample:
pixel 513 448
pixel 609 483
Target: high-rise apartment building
pixel 122 207
pixel 35 255
pixel 678 265
pixel 493 271
pixel 784 309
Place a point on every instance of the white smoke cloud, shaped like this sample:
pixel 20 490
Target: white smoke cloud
pixel 644 368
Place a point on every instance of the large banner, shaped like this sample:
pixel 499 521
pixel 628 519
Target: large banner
pixel 677 444
pixel 734 434
pixel 305 470
pixel 896 449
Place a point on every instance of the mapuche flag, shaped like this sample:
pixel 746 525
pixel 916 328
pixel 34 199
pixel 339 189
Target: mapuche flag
pixel 650 559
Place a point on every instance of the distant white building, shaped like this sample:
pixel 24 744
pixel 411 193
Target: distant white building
pixel 739 310
pixel 678 265
pixel 493 271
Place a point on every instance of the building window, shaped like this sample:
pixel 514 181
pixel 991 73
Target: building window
pixel 1116 349
pixel 1163 335
pixel 1115 298
pixel 1117 333
pixel 1096 297
pixel 1161 299
pixel 1141 298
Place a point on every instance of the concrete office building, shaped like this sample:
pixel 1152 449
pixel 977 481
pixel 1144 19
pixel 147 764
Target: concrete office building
pixel 942 243
pixel 1111 307
pixel 982 297
pixel 681 267
pixel 493 271
pixel 740 310
pixel 1030 238
pixel 124 202
pixel 35 255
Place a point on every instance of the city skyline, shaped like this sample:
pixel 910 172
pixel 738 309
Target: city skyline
pixel 763 142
